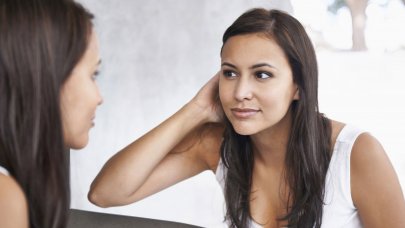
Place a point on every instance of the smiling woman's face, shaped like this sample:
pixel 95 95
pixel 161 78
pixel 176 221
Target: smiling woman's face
pixel 80 97
pixel 256 85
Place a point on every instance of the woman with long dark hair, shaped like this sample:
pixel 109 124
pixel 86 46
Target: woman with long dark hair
pixel 48 97
pixel 256 124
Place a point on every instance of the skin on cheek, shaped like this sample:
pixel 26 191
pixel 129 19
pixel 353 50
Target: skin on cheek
pixel 80 98
pixel 244 58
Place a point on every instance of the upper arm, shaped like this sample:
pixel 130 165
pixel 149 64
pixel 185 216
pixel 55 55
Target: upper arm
pixel 209 150
pixel 197 152
pixel 13 204
pixel 376 191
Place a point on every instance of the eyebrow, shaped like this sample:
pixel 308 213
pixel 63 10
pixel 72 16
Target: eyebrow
pixel 262 65
pixel 99 62
pixel 228 64
pixel 252 67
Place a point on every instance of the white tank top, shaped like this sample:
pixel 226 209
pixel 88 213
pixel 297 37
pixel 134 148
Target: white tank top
pixel 339 210
pixel 4 171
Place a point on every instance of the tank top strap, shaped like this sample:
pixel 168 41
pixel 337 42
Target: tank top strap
pixel 4 171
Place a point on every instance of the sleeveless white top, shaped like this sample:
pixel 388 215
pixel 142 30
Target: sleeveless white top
pixel 339 210
pixel 4 171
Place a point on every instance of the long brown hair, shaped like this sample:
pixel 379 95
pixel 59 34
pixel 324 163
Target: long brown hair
pixel 40 43
pixel 309 147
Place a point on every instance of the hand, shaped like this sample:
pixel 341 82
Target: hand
pixel 207 99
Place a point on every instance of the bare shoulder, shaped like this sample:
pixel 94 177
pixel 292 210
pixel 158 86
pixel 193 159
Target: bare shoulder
pixel 375 187
pixel 368 153
pixel 336 129
pixel 13 204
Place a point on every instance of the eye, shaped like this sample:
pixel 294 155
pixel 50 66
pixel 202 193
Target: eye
pixel 95 75
pixel 263 75
pixel 229 74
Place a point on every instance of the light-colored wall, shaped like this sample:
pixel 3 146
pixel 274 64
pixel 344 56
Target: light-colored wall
pixel 155 56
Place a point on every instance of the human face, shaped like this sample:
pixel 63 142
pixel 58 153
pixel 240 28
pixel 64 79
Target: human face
pixel 256 85
pixel 80 97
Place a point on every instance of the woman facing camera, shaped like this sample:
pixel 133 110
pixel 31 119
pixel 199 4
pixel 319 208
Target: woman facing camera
pixel 48 98
pixel 257 126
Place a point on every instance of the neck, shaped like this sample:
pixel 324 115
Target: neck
pixel 270 145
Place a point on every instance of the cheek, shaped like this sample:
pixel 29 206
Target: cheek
pixel 278 101
pixel 75 128
pixel 67 123
pixel 225 93
pixel 75 121
pixel 67 112
pixel 226 96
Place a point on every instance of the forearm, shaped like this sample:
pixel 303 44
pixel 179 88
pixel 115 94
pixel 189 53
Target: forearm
pixel 128 170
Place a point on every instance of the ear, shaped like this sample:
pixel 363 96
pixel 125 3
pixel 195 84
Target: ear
pixel 296 94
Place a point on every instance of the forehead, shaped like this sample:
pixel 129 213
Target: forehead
pixel 253 48
pixel 92 47
pixel 90 58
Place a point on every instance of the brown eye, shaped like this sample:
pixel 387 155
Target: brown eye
pixel 95 75
pixel 263 75
pixel 229 74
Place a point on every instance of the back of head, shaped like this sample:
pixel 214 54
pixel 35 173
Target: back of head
pixel 40 43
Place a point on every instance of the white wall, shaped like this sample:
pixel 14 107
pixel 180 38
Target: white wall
pixel 155 56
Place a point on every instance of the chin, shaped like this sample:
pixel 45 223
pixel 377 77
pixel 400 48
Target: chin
pixel 244 133
pixel 244 127
pixel 78 143
pixel 244 130
pixel 79 146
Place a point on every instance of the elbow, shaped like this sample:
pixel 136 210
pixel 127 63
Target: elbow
pixel 107 199
pixel 97 198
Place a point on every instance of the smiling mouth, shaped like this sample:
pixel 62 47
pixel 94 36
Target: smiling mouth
pixel 244 113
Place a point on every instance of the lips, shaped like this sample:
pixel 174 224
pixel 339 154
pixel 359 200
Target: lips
pixel 244 113
pixel 92 121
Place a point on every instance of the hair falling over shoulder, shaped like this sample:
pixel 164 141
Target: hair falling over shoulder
pixel 40 43
pixel 309 147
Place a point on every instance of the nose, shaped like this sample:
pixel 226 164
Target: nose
pixel 243 90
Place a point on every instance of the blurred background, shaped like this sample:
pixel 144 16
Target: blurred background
pixel 157 54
